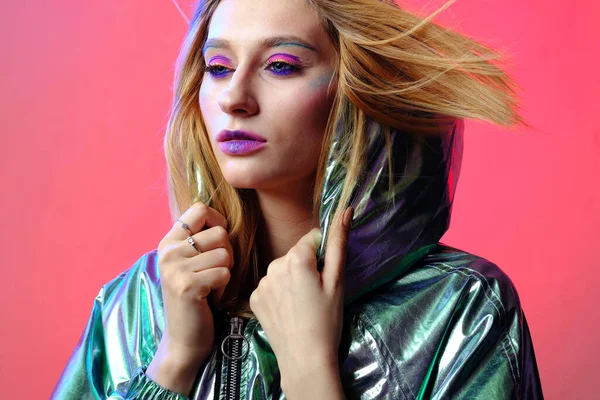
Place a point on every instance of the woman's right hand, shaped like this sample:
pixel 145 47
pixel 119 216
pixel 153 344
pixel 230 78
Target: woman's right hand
pixel 187 278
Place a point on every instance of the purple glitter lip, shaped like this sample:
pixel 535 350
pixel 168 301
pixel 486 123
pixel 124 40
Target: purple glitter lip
pixel 239 147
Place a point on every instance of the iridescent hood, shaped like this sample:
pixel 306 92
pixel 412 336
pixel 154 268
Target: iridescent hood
pixel 392 229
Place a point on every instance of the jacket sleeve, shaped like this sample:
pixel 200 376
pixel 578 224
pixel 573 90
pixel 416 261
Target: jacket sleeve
pixel 487 352
pixel 85 375
pixel 97 371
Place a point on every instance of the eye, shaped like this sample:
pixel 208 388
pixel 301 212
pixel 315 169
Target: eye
pixel 279 67
pixel 217 70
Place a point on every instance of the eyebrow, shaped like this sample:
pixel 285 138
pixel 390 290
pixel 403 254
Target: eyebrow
pixel 284 40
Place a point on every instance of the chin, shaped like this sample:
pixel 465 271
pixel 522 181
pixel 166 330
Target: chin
pixel 249 175
pixel 244 181
pixel 242 185
pixel 253 183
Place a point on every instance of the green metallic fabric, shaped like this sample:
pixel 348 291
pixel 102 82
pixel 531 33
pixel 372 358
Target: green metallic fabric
pixel 422 320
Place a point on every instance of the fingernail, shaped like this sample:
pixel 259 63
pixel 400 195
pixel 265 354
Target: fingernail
pixel 348 214
pixel 318 237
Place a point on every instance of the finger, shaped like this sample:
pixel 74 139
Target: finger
pixel 211 259
pixel 311 239
pixel 211 281
pixel 210 239
pixel 217 294
pixel 305 251
pixel 335 252
pixel 197 217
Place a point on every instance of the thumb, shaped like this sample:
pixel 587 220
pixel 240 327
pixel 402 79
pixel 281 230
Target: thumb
pixel 335 252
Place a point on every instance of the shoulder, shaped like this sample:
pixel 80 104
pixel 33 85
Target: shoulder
pixel 454 309
pixel 132 307
pixel 142 275
pixel 448 293
pixel 122 332
pixel 470 275
pixel 453 280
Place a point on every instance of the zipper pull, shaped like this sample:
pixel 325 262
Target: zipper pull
pixel 236 331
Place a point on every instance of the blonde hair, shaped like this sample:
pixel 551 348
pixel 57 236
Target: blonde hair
pixel 395 68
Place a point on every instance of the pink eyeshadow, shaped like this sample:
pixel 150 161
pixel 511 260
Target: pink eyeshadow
pixel 220 59
pixel 287 57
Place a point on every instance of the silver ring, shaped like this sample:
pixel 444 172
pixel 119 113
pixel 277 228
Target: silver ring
pixel 190 240
pixel 185 226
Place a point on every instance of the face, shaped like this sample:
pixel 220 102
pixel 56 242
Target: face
pixel 269 64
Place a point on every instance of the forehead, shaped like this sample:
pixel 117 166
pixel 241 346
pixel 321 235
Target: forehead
pixel 244 22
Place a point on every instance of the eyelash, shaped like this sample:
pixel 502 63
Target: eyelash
pixel 291 68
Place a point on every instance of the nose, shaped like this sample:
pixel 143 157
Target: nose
pixel 238 97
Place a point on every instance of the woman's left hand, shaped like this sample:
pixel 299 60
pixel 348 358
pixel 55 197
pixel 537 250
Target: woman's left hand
pixel 300 309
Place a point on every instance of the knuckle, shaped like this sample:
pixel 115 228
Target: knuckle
pixel 302 247
pixel 253 301
pixel 292 258
pixel 225 273
pixel 265 284
pixel 222 256
pixel 202 293
pixel 167 252
pixel 273 267
pixel 297 261
pixel 221 234
pixel 297 258
pixel 201 208
pixel 198 204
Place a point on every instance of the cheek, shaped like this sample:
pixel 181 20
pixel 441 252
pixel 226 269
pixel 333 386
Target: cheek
pixel 208 105
pixel 211 113
pixel 309 109
pixel 304 118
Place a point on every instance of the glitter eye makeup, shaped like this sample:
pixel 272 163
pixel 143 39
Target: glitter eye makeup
pixel 217 66
pixel 289 62
pixel 279 64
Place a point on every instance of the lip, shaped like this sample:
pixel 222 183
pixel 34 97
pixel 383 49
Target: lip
pixel 239 135
pixel 241 147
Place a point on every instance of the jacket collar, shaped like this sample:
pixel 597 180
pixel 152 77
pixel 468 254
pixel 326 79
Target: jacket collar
pixel 393 229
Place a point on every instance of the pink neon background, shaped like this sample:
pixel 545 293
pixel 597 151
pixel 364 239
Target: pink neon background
pixel 85 94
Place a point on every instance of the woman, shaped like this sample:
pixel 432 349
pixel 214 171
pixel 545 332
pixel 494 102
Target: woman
pixel 289 117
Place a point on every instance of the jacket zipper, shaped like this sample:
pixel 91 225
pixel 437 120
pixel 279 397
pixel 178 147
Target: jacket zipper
pixel 232 347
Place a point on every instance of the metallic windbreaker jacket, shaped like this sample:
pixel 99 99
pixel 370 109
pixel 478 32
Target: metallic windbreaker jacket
pixel 422 320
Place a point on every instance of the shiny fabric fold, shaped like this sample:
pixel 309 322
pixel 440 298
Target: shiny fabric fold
pixel 395 223
pixel 450 328
pixel 422 320
pixel 142 387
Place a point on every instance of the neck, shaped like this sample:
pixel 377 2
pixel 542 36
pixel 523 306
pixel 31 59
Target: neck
pixel 286 217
